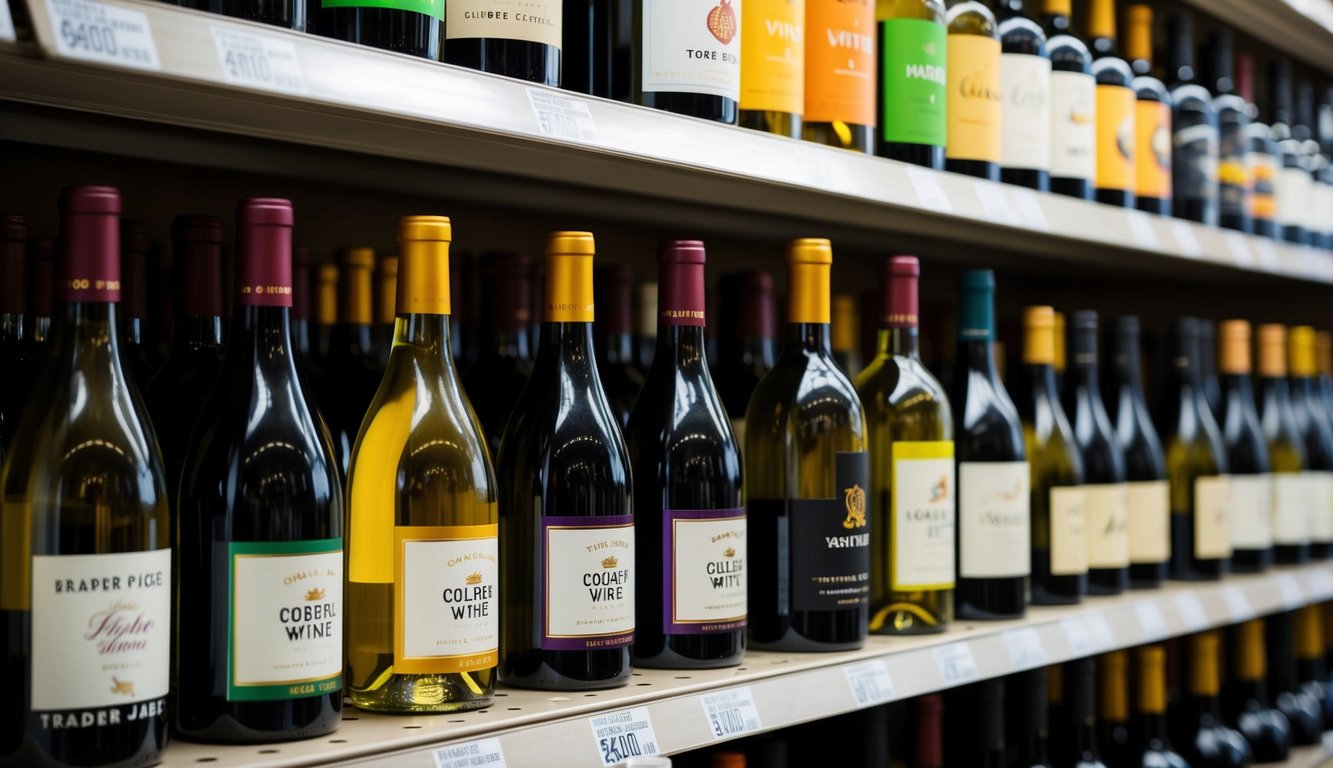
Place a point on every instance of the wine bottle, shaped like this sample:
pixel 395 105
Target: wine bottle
pixel 1194 130
pixel 350 373
pixel 1148 730
pixel 1314 425
pixel 505 361
pixel 1260 155
pixel 566 519
pixel 412 27
pixel 1152 118
pixel 974 110
pixel 1310 161
pixel 689 500
pixel 1025 88
pixel 913 86
pixel 689 57
pixel 1291 191
pixel 1209 383
pixel 1209 743
pixel 288 14
pixel 1233 120
pixel 1251 484
pixel 1196 464
pixel 1027 725
pixel 773 66
pixel 1059 535
pixel 1311 667
pixel 912 508
pixel 1059 358
pixel 1324 360
pixel 300 314
pixel 1105 503
pixel 1073 105
pixel 1304 712
pixel 747 346
pixel 1246 704
pixel 1115 97
pixel 140 356
pixel 974 727
pixel 994 547
pixel 586 50
pixel 88 669
pixel 1074 714
pixel 807 472
pixel 325 296
pixel 1113 726
pixel 621 379
pixel 842 334
pixel 17 354
pixel 386 292
pixel 1292 488
pixel 928 749
pixel 645 327
pixel 260 499
pixel 41 289
pixel 523 43
pixel 840 62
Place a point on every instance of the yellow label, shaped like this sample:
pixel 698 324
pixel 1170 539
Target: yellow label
pixel 1263 179
pixel 773 55
pixel 1152 150
pixel 1115 137
pixel 922 516
pixel 974 98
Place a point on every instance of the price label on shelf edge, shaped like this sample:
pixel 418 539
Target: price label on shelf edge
pixel 1029 209
pixel 1240 249
pixel 956 663
pixel 1192 613
pixel 1076 637
pixel 1099 631
pixel 1186 240
pixel 108 34
pixel 1025 648
pixel 618 736
pixel 1238 605
pixel 561 116
pixel 994 203
pixel 258 61
pixel 1141 227
pixel 1152 622
pixel 1289 591
pixel 731 712
pixel 928 190
pixel 483 753
pixel 870 682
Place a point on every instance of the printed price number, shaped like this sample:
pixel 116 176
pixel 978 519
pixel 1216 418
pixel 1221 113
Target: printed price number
pixel 956 662
pixel 731 713
pixel 870 683
pixel 1025 648
pixel 1151 620
pixel 622 735
pixel 93 31
pixel 258 60
pixel 484 752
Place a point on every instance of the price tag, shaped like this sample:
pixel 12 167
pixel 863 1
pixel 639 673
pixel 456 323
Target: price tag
pixel 1025 648
pixel 258 61
pixel 483 752
pixel 624 734
pixel 1029 209
pixel 107 34
pixel 1191 611
pixel 1076 637
pixel 1240 249
pixel 1238 605
pixel 731 712
pixel 561 116
pixel 957 666
pixel 1289 591
pixel 994 203
pixel 1151 620
pixel 928 189
pixel 6 23
pixel 1319 583
pixel 1186 241
pixel 1100 632
pixel 1267 253
pixel 870 682
pixel 1141 227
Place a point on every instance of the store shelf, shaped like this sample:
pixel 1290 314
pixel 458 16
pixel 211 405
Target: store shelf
pixel 325 108
pixel 1299 28
pixel 787 689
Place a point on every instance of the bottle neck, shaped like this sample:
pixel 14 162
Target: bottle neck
pixel 978 356
pixel 259 332
pixel 809 338
pixel 429 332
pixel 758 349
pixel 197 332
pixel 683 347
pixel 1238 386
pixel 79 327
pixel 617 348
pixel 900 341
pixel 11 327
pixel 1041 378
pixel 509 344
pixel 566 344
pixel 1084 376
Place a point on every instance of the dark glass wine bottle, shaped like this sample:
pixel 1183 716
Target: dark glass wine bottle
pixel 689 67
pixel 1315 425
pixel 928 749
pixel 505 362
pixel 566 521
pixel 689 500
pixel 412 27
pixel 974 110
pixel 1148 730
pixel 1311 667
pixel 1287 450
pixel 1250 487
pixel 288 14
pixel 1115 107
pixel 1209 383
pixel 773 66
pixel 351 375
pixel 41 289
pixel 1074 715
pixel 1027 725
pixel 1260 154
pixel 645 326
pixel 912 90
pixel 300 314
pixel 1292 187
pixel 843 334
pixel 974 725
pixel 136 344
pixel 1152 118
pixel 840 59
pixel 385 307
pixel 1233 122
pixel 18 358
pixel 1245 703
pixel 613 334
pixel 324 295
pixel 1304 713
pixel 1025 86
pixel 522 43
pixel 1113 725
pixel 1209 742
pixel 1194 130
pixel 586 64
pixel 993 543
pixel 747 342
pixel 1073 105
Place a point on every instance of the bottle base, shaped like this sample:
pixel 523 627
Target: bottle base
pixel 425 694
pixel 793 641
pixel 669 659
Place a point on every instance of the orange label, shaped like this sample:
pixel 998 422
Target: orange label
pixel 974 98
pixel 1115 137
pixel 1263 180
pixel 773 56
pixel 1152 149
pixel 840 61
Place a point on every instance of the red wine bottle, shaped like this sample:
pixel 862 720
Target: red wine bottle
pixel 612 333
pixel 141 356
pixel 505 358
pixel 412 27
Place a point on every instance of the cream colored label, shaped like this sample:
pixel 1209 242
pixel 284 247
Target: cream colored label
pixel 589 581
pixel 1212 527
pixel 923 515
pixel 1069 536
pixel 1149 521
pixel 533 21
pixel 1321 506
pixel 1025 82
pixel 450 600
pixel 1107 511
pixel 1073 125
pixel 1292 499
pixel 995 515
pixel 1252 500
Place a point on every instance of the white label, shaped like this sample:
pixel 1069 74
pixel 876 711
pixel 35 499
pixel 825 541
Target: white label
pixel 1321 507
pixel 1186 241
pixel 928 190
pixel 101 631
pixel 1099 631
pixel 1073 125
pixel 1025 87
pixel 1025 648
pixel 1151 620
pixel 1240 249
pixel 1141 227
pixel 692 46
pixel 923 533
pixel 561 116
pixel 1238 605
pixel 474 754
pixel 731 712
pixel 1251 511
pixel 1069 532
pixel 1029 209
pixel 870 682
pixel 1076 637
pixel 708 571
pixel 1149 521
pixel 6 24
pixel 956 663
pixel 624 734
pixel 258 61
pixel 994 512
pixel 450 597
pixel 532 21
pixel 590 581
pixel 1291 507
pixel 107 34
pixel 1289 591
pixel 1192 613
pixel 1212 528
pixel 994 203
pixel 1107 510
pixel 1294 186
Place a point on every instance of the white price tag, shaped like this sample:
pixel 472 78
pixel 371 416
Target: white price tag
pixel 870 682
pixel 258 61
pixel 1151 620
pixel 1183 233
pixel 1240 249
pixel 6 23
pixel 1025 648
pixel 622 735
pixel 1076 637
pixel 108 34
pixel 994 203
pixel 731 712
pixel 483 753
pixel 1289 591
pixel 561 116
pixel 1238 605
pixel 1141 227
pixel 1029 209
pixel 1319 584
pixel 928 189
pixel 1100 632
pixel 1267 254
pixel 956 663
pixel 1191 611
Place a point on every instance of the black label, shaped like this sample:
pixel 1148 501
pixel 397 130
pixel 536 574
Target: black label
pixel 1195 158
pixel 829 545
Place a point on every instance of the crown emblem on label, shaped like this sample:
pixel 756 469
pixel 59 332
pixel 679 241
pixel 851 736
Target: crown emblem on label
pixel 610 562
pixel 314 594
pixel 474 578
pixel 855 499
pixel 729 552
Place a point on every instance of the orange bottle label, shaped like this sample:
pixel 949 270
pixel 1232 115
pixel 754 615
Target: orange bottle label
pixel 973 111
pixel 1152 150
pixel 1115 137
pixel 773 56
pixel 840 61
pixel 1263 185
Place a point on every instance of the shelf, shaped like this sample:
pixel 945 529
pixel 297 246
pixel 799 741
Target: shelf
pixel 1300 28
pixel 788 689
pixel 328 110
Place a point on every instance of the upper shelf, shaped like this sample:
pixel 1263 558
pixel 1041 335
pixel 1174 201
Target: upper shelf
pixel 1298 28
pixel 202 89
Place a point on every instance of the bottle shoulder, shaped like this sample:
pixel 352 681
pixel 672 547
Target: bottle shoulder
pixel 1149 88
pixel 971 18
pixel 1020 34
pixel 1112 70
pixel 901 394
pixel 1069 54
pixel 985 415
pixel 1193 98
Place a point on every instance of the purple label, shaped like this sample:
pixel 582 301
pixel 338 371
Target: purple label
pixel 704 573
pixel 587 598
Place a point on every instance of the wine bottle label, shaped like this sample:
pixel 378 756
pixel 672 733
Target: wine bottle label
pixel 285 637
pixel 101 639
pixel 1294 187
pixel 1073 125
pixel 773 56
pixel 1069 532
pixel 1152 150
pixel 446 611
pixel 1149 521
pixel 705 588
pixel 587 600
pixel 1212 525
pixel 433 8
pixel 840 61
pixel 1252 499
pixel 1291 509
pixel 1025 82
pixel 974 99
pixel 692 46
pixel 1115 138
pixel 532 21
pixel 1194 157
pixel 913 83
pixel 1233 182
pixel 921 521
pixel 1107 509
pixel 829 542
pixel 1321 506
pixel 995 519
pixel 1261 170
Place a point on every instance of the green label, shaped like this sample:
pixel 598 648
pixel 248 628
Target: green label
pixel 912 81
pixel 428 7
pixel 284 633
